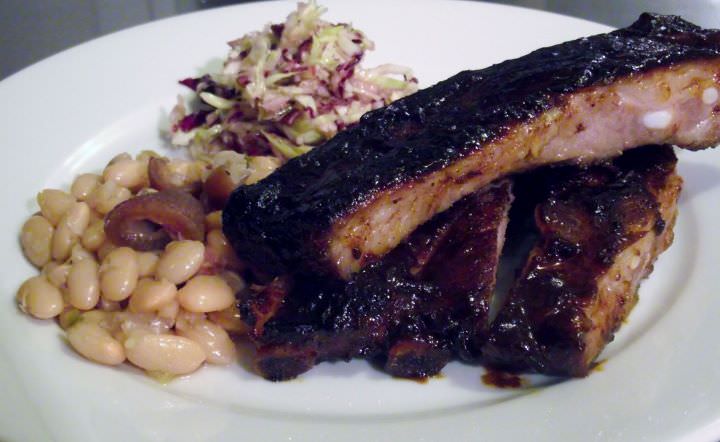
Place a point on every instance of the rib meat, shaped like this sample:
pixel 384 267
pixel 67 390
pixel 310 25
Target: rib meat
pixel 600 232
pixel 410 312
pixel 352 200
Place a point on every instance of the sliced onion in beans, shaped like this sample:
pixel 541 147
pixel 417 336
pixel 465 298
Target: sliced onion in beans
pixel 149 222
pixel 218 186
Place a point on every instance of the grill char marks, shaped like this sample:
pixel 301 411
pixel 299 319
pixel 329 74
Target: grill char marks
pixel 600 232
pixel 410 312
pixel 351 201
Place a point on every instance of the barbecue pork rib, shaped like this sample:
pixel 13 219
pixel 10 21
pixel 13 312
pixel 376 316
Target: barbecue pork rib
pixel 411 312
pixel 600 232
pixel 352 200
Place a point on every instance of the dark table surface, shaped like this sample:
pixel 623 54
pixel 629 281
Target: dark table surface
pixel 31 30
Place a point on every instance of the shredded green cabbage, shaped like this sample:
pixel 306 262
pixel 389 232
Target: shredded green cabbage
pixel 286 89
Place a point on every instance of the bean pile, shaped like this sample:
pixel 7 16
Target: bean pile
pixel 167 310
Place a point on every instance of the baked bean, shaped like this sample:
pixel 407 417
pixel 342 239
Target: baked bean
pixel 151 295
pixel 95 343
pixel 213 220
pixel 94 235
pixel 165 353
pixel 180 261
pixel 56 273
pixel 36 240
pixel 84 185
pixel 261 167
pixel 127 173
pixel 119 274
pixel 230 320
pixel 107 196
pixel 205 293
pixel 54 203
pixel 62 242
pixel 219 348
pixel 147 263
pixel 40 298
pixel 83 285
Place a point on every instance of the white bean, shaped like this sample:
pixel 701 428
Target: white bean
pixel 40 298
pixel 205 293
pixel 84 185
pixel 56 273
pixel 184 171
pixel 54 204
pixel 219 348
pixel 128 324
pixel 36 240
pixel 68 317
pixel 77 218
pixel 146 191
pixel 119 157
pixel 69 228
pixel 95 343
pixel 230 320
pixel 145 156
pixel 94 235
pixel 213 220
pixel 180 261
pixel 261 167
pixel 62 242
pixel 107 196
pixel 78 253
pixel 151 295
pixel 97 317
pixel 169 311
pixel 127 173
pixel 108 306
pixel 235 281
pixel 220 249
pixel 165 353
pixel 147 263
pixel 83 285
pixel 119 274
pixel 105 249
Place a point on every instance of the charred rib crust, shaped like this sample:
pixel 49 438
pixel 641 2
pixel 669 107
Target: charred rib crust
pixel 282 223
pixel 409 312
pixel 576 287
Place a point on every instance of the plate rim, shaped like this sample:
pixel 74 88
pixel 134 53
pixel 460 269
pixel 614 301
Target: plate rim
pixel 711 429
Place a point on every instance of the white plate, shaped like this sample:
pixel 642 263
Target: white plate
pixel 72 112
